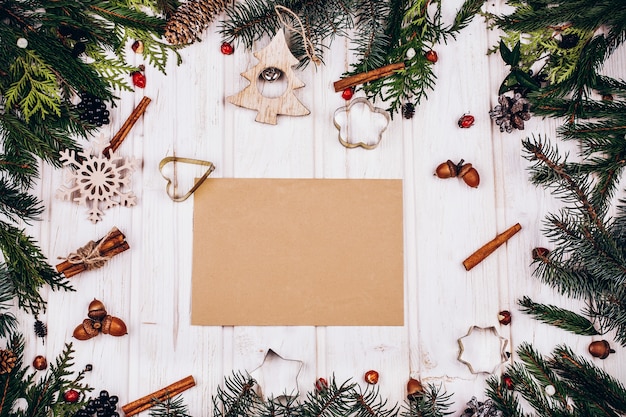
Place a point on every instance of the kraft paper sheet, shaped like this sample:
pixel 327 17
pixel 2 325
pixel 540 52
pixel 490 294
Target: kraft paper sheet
pixel 324 252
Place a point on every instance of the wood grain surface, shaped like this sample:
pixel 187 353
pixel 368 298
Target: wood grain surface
pixel 445 221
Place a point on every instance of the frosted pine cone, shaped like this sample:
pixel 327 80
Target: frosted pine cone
pixel 511 112
pixel 477 408
pixel 191 19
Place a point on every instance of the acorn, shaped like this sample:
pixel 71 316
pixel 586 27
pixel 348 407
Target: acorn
pixel 40 363
pixel 504 317
pixel 96 310
pixel 414 388
pixel 114 326
pixel 469 175
pixel 600 349
pixel 447 169
pixel 539 253
pixel 81 334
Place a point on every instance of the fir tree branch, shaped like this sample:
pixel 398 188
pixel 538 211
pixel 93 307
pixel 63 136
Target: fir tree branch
pixel 15 204
pixel 8 322
pixel 28 268
pixel 559 317
pixel 589 384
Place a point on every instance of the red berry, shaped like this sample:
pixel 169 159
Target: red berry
pixel 71 396
pixel 466 121
pixel 227 48
pixel 432 56
pixel 347 93
pixel 139 80
pixel 321 385
pixel 508 382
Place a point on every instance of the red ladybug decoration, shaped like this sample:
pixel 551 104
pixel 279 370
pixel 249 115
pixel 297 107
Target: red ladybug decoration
pixel 347 93
pixel 71 396
pixel 139 79
pixel 466 121
pixel 227 48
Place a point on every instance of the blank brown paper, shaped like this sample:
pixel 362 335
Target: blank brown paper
pixel 323 252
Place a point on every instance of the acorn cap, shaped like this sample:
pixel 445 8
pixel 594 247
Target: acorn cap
pixel 90 328
pixel 464 170
pixel 96 310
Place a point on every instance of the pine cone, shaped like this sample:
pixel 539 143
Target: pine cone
pixel 191 19
pixel 41 330
pixel 511 112
pixel 7 361
pixel 477 408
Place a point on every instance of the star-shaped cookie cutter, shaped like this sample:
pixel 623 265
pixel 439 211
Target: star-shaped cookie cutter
pixel 477 355
pixel 272 374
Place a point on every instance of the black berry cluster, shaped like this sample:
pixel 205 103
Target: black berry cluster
pixel 104 405
pixel 93 110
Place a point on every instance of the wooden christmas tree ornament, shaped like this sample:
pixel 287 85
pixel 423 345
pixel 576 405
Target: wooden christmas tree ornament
pixel 275 55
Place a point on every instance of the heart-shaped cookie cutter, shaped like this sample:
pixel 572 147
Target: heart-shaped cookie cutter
pixel 199 181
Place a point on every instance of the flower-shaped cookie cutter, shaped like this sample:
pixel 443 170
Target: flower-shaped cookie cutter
pixel 482 350
pixel 360 124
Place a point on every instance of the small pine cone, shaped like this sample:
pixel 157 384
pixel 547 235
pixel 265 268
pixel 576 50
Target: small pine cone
pixel 191 19
pixel 408 110
pixel 41 330
pixel 511 112
pixel 7 361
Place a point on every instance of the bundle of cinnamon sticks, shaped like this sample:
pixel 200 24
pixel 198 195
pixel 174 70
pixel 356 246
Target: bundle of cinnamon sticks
pixel 107 247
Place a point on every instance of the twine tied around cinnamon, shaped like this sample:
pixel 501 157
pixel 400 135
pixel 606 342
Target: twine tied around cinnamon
pixel 91 255
pixel 309 48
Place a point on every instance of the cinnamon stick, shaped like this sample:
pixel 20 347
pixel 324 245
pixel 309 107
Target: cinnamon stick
pixel 147 401
pixel 119 137
pixel 364 77
pixel 488 248
pixel 78 268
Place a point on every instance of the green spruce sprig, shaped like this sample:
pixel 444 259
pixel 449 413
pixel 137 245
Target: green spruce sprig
pixel 559 317
pixel 170 407
pixel 588 261
pixel 579 387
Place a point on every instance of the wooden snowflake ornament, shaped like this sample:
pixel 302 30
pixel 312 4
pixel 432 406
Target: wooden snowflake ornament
pixel 274 56
pixel 96 181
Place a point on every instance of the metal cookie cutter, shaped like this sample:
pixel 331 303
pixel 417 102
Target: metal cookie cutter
pixel 482 349
pixel 273 373
pixel 199 181
pixel 361 124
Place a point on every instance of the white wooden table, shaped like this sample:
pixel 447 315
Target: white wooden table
pixel 445 221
